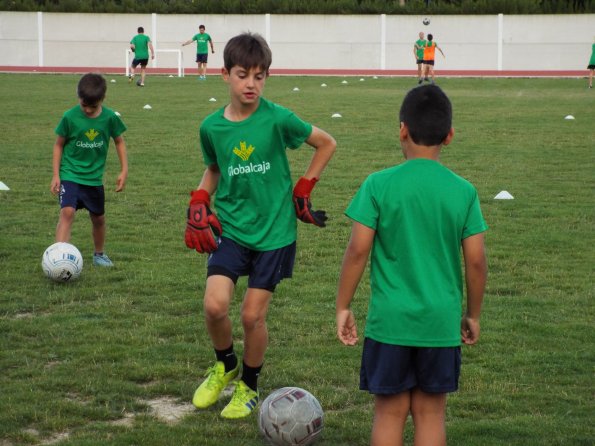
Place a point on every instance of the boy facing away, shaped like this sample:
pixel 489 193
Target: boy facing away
pixel 244 147
pixel 414 218
pixel 140 45
pixel 78 162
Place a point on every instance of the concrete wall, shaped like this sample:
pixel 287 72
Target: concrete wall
pixel 534 42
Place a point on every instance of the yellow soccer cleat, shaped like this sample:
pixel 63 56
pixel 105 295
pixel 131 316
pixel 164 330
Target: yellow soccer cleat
pixel 216 380
pixel 243 402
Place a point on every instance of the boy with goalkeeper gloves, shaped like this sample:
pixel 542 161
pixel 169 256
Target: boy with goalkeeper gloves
pixel 254 232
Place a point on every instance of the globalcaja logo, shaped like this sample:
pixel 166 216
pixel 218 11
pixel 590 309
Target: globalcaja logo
pixel 244 153
pixel 91 134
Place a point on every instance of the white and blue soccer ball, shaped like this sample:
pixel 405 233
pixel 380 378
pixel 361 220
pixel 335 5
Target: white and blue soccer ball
pixel 426 21
pixel 62 262
pixel 290 416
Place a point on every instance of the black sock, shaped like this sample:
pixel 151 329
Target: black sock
pixel 227 357
pixel 250 376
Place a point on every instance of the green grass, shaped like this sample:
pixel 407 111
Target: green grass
pixel 76 359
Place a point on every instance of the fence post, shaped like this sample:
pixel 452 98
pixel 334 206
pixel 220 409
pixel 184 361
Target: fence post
pixel 40 38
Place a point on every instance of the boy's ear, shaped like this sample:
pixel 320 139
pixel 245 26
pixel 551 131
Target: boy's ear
pixel 225 74
pixel 403 132
pixel 449 137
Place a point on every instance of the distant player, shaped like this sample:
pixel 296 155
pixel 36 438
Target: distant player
pixel 413 220
pixel 430 48
pixel 244 147
pixel 140 45
pixel 418 53
pixel 202 50
pixel 78 162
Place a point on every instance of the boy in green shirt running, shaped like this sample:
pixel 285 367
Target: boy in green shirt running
pixel 414 218
pixel 78 162
pixel 140 46
pixel 254 232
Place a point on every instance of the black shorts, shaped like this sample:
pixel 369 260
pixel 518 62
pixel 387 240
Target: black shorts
pixel 591 67
pixel 265 269
pixel 391 369
pixel 143 62
pixel 429 62
pixel 202 58
pixel 79 196
pixel 420 61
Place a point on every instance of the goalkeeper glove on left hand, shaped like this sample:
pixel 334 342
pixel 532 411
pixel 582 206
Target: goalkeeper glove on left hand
pixel 303 206
pixel 202 226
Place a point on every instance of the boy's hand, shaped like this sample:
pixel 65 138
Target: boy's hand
pixel 303 206
pixel 346 328
pixel 469 330
pixel 202 226
pixel 121 182
pixel 55 185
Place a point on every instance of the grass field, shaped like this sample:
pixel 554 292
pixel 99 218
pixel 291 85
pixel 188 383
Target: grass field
pixel 87 363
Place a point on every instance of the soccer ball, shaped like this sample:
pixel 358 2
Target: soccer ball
pixel 290 416
pixel 426 21
pixel 62 262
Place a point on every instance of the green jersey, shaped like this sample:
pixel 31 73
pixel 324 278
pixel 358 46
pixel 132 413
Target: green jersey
pixel 419 50
pixel 201 43
pixel 421 211
pixel 254 193
pixel 141 46
pixel 87 142
pixel 592 61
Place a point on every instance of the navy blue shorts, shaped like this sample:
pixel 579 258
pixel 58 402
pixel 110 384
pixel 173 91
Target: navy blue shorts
pixel 265 269
pixel 202 58
pixel 143 63
pixel 391 369
pixel 79 196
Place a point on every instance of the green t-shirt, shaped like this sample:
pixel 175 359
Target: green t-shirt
pixel 141 46
pixel 592 61
pixel 254 194
pixel 421 211
pixel 420 48
pixel 201 43
pixel 87 142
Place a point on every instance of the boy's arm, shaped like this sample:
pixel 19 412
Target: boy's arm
pixel 152 50
pixel 324 146
pixel 123 156
pixel 476 271
pixel 56 160
pixel 212 47
pixel 354 264
pixel 187 42
pixel 440 49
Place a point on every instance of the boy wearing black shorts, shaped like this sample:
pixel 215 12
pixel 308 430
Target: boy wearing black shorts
pixel 244 146
pixel 78 162
pixel 414 218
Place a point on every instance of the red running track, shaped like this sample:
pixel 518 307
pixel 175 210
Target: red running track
pixel 308 72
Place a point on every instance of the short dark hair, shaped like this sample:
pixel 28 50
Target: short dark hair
pixel 427 113
pixel 247 50
pixel 430 37
pixel 140 29
pixel 91 88
pixel 201 27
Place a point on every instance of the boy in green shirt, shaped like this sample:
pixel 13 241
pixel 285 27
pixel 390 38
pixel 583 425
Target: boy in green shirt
pixel 78 162
pixel 254 232
pixel 202 51
pixel 140 46
pixel 414 218
pixel 418 54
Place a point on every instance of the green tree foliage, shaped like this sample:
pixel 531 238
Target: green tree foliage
pixel 305 6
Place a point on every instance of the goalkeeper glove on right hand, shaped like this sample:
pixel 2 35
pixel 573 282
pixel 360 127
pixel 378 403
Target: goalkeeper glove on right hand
pixel 202 227
pixel 303 206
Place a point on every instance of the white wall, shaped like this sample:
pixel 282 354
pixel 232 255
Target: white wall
pixel 534 42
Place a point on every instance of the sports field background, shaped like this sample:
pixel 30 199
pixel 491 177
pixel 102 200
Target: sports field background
pixel 84 363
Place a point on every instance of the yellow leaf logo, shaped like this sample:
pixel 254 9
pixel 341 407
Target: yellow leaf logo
pixel 244 152
pixel 91 134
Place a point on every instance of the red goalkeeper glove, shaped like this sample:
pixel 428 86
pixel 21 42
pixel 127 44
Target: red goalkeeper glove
pixel 303 206
pixel 202 226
